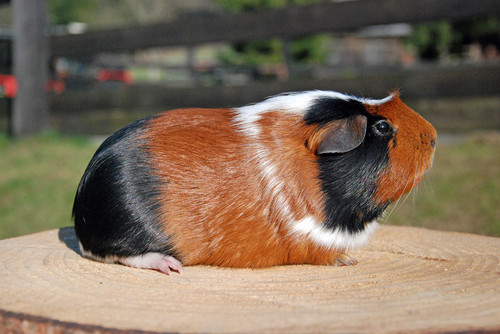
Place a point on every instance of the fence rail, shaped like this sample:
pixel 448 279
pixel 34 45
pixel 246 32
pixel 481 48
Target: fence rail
pixel 292 21
pixel 422 82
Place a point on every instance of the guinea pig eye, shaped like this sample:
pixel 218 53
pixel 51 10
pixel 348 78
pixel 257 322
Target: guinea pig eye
pixel 383 128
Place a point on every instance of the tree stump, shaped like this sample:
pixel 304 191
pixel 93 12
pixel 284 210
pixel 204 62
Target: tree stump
pixel 408 280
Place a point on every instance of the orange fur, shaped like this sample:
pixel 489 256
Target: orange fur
pixel 223 214
pixel 410 152
pixel 229 200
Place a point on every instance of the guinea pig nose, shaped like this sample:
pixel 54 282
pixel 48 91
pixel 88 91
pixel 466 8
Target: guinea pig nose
pixel 433 143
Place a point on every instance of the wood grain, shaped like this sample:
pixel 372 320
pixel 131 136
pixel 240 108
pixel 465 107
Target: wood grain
pixel 407 280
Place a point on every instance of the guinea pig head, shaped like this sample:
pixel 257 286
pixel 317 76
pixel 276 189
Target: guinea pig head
pixel 411 145
pixel 369 153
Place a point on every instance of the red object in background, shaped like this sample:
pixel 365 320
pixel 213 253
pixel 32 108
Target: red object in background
pixel 8 85
pixel 56 86
pixel 114 75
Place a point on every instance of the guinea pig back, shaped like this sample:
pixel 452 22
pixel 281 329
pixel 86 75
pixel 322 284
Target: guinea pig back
pixel 298 178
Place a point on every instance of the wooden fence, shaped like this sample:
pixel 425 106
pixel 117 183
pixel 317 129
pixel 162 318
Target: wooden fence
pixel 86 111
pixel 421 82
pixel 289 22
pixel 285 23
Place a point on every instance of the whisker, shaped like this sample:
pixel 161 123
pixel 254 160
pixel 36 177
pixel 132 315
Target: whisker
pixel 428 182
pixel 408 194
pixel 408 180
pixel 416 186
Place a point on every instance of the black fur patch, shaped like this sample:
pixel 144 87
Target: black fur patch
pixel 349 180
pixel 116 208
pixel 328 109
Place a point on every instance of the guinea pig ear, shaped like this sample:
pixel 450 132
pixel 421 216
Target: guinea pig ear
pixel 343 135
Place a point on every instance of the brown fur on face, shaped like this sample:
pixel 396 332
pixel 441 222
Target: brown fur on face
pixel 411 151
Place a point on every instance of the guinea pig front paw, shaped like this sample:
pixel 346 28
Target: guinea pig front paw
pixel 343 259
pixel 156 261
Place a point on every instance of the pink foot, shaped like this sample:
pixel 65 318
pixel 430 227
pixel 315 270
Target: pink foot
pixel 157 261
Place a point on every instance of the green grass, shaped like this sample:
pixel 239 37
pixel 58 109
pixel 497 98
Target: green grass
pixel 39 177
pixel 38 180
pixel 462 190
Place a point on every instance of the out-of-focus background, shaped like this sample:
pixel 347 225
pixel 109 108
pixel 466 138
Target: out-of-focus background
pixel 73 72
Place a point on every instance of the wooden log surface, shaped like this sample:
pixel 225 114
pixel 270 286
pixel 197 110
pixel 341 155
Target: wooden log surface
pixel 408 280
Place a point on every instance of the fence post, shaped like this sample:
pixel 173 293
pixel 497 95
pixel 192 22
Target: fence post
pixel 30 67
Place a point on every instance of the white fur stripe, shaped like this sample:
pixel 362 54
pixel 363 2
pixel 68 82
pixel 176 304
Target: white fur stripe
pixel 337 238
pixel 270 178
pixel 375 102
pixel 297 103
pixel 247 118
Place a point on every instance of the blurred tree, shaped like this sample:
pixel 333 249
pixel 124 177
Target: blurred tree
pixel 248 5
pixel 66 11
pixel 484 31
pixel 434 40
pixel 306 50
pixel 144 11
pixel 431 40
pixel 108 13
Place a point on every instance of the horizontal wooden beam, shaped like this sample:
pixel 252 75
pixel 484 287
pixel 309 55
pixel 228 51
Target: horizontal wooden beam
pixel 422 82
pixel 289 22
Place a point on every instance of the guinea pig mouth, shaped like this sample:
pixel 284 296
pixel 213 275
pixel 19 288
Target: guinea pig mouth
pixel 394 185
pixel 427 163
pixel 420 173
pixel 432 157
pixel 424 161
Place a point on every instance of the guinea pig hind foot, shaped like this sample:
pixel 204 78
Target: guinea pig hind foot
pixel 156 261
pixel 343 259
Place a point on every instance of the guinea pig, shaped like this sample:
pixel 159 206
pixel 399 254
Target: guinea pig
pixel 299 178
